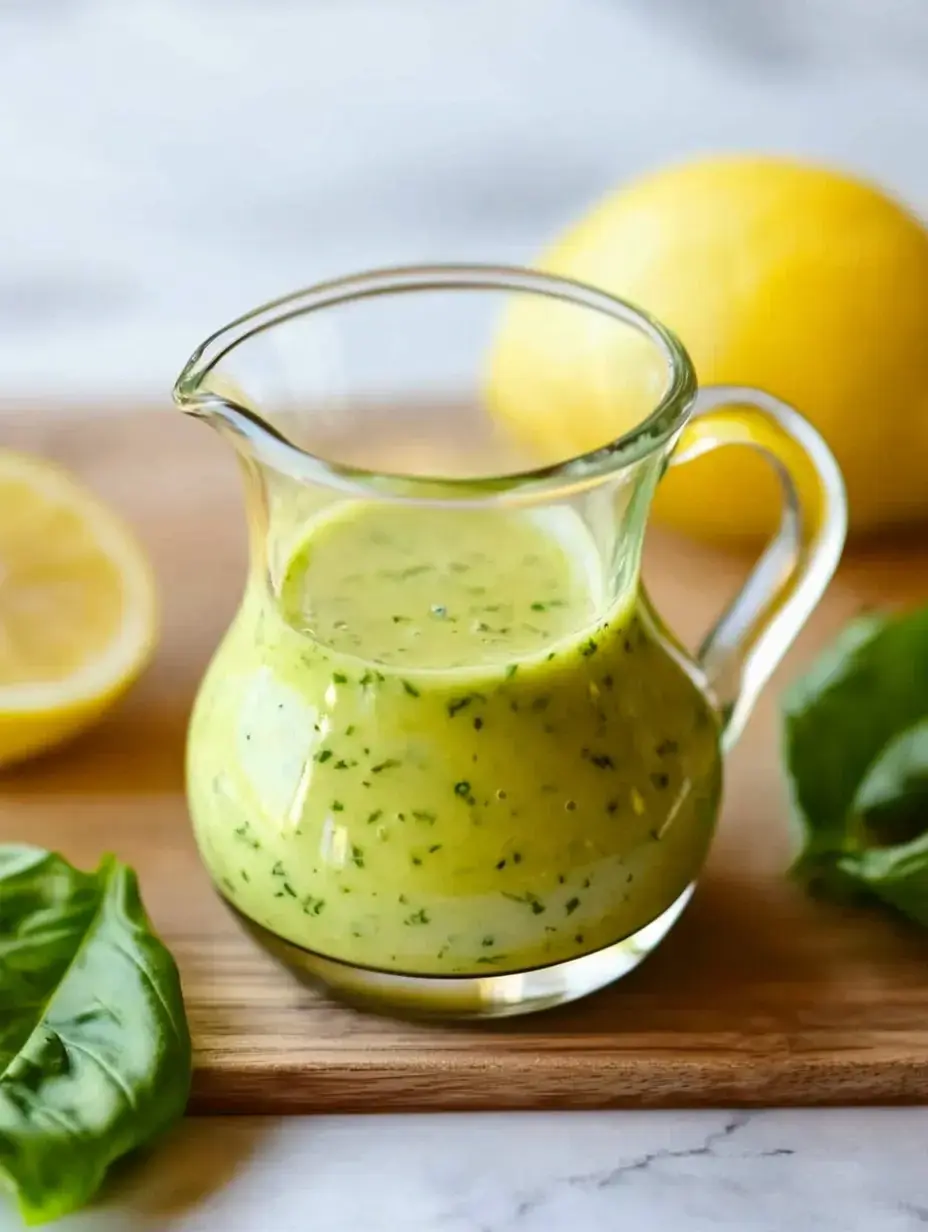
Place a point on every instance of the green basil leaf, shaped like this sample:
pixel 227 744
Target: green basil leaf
pixel 94 1045
pixel 856 752
pixel 892 801
pixel 896 876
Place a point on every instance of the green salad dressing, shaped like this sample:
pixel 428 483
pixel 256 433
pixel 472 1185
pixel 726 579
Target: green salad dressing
pixel 438 748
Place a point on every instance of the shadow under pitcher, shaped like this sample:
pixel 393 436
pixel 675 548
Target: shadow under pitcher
pixel 447 760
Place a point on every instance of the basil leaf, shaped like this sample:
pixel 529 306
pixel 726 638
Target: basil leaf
pixel 94 1046
pixel 896 876
pixel 892 801
pixel 856 752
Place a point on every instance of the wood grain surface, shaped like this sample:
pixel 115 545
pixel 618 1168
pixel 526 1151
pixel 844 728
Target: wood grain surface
pixel 760 996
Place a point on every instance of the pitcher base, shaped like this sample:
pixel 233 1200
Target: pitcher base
pixel 462 997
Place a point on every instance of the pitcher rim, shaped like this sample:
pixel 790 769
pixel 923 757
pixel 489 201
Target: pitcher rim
pixel 579 471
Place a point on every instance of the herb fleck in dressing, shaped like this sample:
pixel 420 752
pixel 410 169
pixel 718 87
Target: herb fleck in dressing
pixel 438 756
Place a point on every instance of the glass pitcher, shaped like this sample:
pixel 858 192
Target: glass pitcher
pixel 447 760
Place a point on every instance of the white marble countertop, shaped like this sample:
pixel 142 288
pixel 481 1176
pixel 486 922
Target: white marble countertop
pixel 167 164
pixel 818 1171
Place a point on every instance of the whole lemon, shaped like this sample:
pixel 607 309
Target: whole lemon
pixel 803 281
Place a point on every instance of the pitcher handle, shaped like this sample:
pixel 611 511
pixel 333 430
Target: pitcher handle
pixel 754 632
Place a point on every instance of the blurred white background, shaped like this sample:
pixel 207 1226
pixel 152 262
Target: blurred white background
pixel 168 164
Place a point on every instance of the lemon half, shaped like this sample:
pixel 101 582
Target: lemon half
pixel 801 280
pixel 77 606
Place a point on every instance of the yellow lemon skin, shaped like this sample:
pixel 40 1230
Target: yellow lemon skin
pixel 803 281
pixel 23 736
pixel 78 611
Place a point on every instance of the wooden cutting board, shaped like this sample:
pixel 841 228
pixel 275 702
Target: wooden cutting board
pixel 760 996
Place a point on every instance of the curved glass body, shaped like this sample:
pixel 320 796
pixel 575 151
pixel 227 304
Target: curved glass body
pixel 447 760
